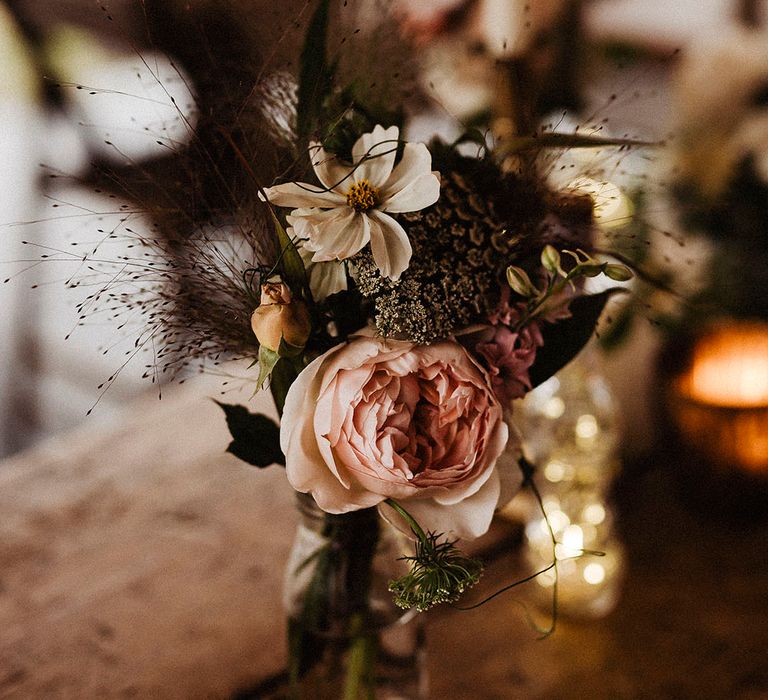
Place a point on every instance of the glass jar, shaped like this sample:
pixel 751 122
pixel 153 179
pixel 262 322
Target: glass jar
pixel 346 637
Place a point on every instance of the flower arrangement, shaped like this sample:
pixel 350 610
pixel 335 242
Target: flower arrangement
pixel 397 297
pixel 415 292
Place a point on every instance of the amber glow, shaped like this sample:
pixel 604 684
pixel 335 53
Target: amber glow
pixel 730 368
pixel 725 396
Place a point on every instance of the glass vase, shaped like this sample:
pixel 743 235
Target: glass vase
pixel 346 637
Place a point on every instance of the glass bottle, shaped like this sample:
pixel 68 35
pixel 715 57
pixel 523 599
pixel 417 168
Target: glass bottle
pixel 572 434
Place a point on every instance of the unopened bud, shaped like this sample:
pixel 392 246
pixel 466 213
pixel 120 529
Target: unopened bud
pixel 278 318
pixel 550 258
pixel 619 273
pixel 518 279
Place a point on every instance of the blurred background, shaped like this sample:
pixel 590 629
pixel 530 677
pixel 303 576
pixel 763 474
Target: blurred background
pixel 92 92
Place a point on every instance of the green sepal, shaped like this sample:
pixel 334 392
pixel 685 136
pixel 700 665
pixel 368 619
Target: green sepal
pixel 565 339
pixel 255 437
pixel 267 361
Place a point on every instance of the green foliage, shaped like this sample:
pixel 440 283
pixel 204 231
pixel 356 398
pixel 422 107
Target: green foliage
pixel 290 262
pixel 315 76
pixel 565 339
pixel 267 361
pixel 283 375
pixel 256 438
pixel 349 113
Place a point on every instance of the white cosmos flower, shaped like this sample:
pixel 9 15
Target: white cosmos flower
pixel 351 209
pixel 325 278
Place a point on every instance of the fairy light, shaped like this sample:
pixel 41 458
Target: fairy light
pixel 554 471
pixel 594 574
pixel 554 407
pixel 594 513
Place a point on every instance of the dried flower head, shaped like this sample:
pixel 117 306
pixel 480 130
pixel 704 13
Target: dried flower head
pixel 439 573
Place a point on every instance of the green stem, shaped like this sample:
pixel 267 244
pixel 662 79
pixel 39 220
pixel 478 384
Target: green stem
pixel 415 527
pixel 360 662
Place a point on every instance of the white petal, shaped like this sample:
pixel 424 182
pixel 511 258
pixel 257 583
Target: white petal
pixel 330 170
pixel 326 278
pixel 374 155
pixel 340 237
pixel 305 221
pixel 469 518
pixel 390 245
pixel 416 161
pixel 417 194
pixel 300 194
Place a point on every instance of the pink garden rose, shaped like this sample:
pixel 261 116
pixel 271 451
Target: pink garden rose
pixel 375 418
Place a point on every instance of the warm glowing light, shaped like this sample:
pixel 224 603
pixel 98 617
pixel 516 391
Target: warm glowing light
pixel 722 405
pixel 594 513
pixel 586 427
pixel 594 574
pixel 612 208
pixel 573 539
pixel 730 368
pixel 554 408
pixel 554 471
pixel 558 520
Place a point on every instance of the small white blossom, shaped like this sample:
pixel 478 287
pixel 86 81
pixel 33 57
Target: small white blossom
pixel 351 209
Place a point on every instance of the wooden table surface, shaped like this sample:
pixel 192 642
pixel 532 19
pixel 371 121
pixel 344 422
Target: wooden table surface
pixel 139 560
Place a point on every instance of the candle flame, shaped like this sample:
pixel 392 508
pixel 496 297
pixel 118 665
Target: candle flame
pixel 730 368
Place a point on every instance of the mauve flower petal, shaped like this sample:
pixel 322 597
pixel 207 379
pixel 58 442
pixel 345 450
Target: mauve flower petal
pixel 382 418
pixel 301 469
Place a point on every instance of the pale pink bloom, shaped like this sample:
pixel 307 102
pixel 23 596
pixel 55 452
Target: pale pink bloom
pixel 423 20
pixel 508 356
pixel 351 208
pixel 373 419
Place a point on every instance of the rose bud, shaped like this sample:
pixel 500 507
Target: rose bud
pixel 279 317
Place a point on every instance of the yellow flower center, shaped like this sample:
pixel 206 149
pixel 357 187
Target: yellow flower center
pixel 362 196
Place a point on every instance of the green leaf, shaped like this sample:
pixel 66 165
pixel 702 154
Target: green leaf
pixel 256 438
pixel 283 375
pixel 267 361
pixel 565 339
pixel 291 264
pixel 315 76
